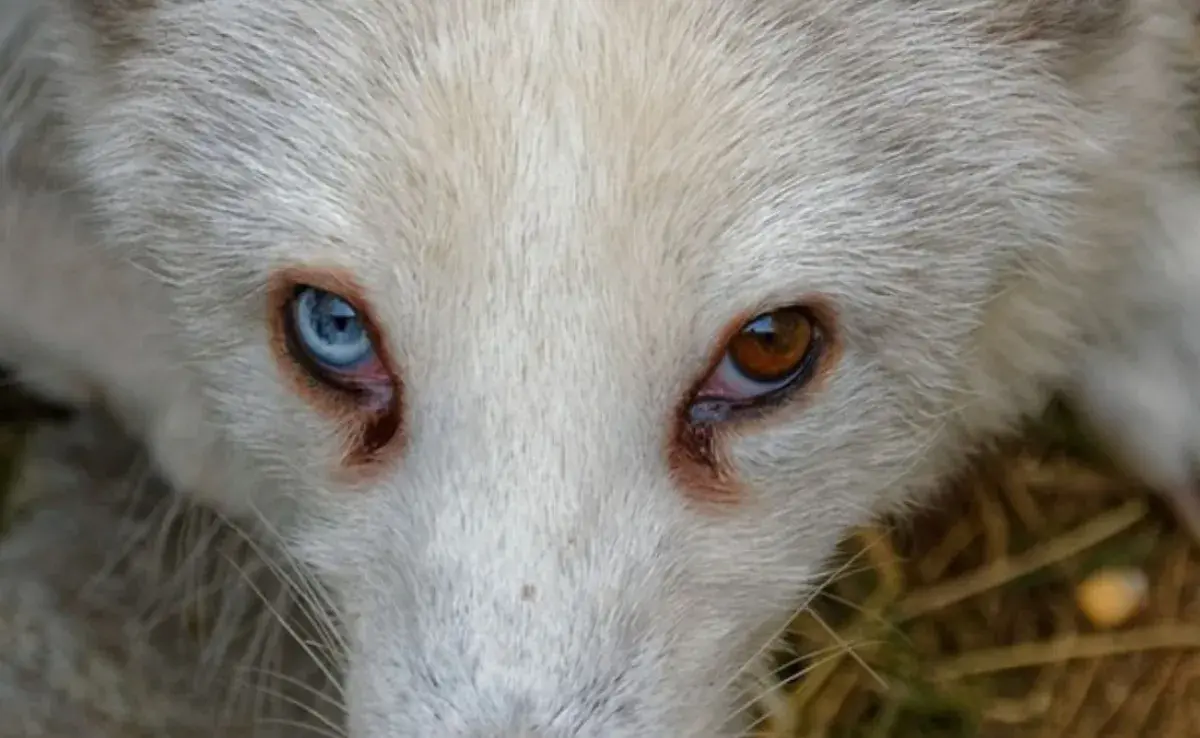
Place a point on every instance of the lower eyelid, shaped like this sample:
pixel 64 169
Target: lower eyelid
pixel 371 373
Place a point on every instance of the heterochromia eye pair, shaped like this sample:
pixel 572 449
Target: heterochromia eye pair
pixel 769 355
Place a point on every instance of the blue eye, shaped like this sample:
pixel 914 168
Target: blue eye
pixel 329 330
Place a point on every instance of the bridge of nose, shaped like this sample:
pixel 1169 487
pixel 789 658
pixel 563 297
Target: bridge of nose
pixel 545 534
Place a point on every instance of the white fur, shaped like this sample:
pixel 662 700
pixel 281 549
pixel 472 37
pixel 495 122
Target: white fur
pixel 555 208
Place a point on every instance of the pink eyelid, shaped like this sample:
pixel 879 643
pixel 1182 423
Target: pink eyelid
pixel 716 388
pixel 375 385
pixel 372 376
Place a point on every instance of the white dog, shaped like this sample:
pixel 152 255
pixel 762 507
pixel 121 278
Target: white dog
pixel 562 339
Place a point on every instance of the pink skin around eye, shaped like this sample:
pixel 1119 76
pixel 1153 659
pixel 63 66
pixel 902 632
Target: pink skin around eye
pixel 372 379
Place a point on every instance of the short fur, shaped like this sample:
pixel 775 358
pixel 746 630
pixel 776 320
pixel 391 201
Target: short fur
pixel 555 209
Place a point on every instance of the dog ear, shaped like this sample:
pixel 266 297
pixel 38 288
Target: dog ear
pixel 1069 24
pixel 1065 29
pixel 113 12
pixel 1141 53
pixel 1082 37
pixel 114 25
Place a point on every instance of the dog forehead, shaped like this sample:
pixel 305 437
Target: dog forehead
pixel 686 151
pixel 590 122
pixel 562 153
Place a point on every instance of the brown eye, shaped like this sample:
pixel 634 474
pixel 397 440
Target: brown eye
pixel 772 346
pixel 768 356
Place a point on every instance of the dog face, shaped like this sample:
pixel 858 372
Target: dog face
pixel 573 335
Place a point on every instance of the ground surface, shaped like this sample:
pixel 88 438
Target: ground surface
pixel 963 622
